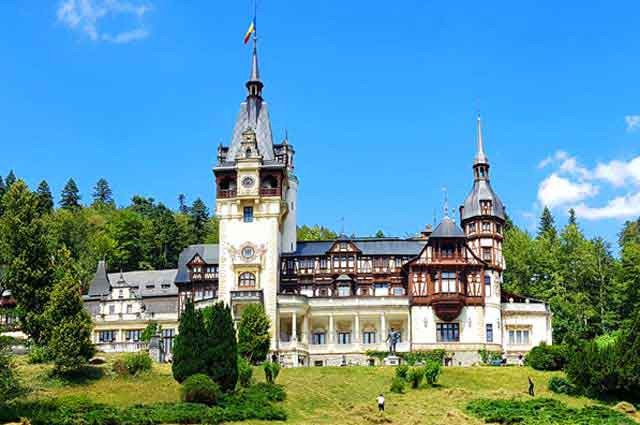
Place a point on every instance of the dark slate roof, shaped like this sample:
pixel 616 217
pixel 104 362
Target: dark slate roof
pixel 447 229
pixel 100 285
pixel 481 191
pixel 149 282
pixel 208 252
pixel 368 246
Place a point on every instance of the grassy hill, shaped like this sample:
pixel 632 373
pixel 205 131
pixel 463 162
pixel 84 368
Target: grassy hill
pixel 324 395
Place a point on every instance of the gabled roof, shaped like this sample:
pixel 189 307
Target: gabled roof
pixel 447 229
pixel 208 253
pixel 100 284
pixel 149 283
pixel 367 246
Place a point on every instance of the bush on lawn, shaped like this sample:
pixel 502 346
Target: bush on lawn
pixel 423 356
pixel 199 388
pixel 10 388
pixel 543 411
pixel 561 385
pixel 432 371
pixel 397 385
pixel 487 357
pixel 271 371
pixel 415 376
pixel 547 357
pixel 133 364
pixel 38 355
pixel 245 372
pixel 401 371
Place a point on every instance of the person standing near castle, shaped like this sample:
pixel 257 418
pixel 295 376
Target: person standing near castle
pixel 380 403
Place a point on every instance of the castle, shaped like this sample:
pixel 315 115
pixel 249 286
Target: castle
pixel 330 302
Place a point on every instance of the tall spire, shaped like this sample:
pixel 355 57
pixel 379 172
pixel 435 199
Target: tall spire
pixel 254 85
pixel 481 158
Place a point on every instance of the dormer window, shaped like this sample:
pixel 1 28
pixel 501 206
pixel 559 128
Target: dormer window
pixel 343 246
pixel 447 251
pixel 485 207
pixel 486 226
pixel 471 228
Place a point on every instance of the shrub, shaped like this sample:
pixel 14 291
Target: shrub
pixel 423 356
pixel 397 385
pixel 149 331
pixel 547 357
pixel 199 388
pixel 9 386
pixel 188 346
pixel 271 371
pixel 487 357
pixel 245 372
pixel 543 411
pixel 133 364
pixel 401 371
pixel 253 334
pixel 220 346
pixel 561 385
pixel 432 372
pixel 415 376
pixel 38 354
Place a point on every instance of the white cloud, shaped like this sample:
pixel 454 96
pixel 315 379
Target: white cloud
pixel 85 16
pixel 556 190
pixel 633 122
pixel 619 207
pixel 619 172
pixel 558 156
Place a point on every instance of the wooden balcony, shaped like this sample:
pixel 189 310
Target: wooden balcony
pixel 269 191
pixel 247 296
pixel 226 193
pixel 447 305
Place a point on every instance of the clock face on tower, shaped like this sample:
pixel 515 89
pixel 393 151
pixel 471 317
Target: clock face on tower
pixel 247 182
pixel 247 252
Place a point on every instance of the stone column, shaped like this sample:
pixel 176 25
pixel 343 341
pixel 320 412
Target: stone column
pixel 383 328
pixel 356 336
pixel 294 327
pixel 332 337
pixel 305 329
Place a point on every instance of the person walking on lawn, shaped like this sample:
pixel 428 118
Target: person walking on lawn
pixel 380 403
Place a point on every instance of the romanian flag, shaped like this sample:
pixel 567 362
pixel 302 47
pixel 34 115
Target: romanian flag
pixel 251 30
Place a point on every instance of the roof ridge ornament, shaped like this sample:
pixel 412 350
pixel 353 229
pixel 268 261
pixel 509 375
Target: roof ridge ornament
pixel 481 157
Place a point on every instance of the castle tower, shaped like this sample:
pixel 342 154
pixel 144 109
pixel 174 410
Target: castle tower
pixel 256 192
pixel 482 216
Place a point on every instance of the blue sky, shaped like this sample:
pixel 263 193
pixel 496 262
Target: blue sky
pixel 379 100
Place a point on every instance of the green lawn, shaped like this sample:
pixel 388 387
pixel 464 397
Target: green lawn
pixel 326 395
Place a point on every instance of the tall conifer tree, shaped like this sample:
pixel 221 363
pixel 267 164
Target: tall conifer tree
pixel 547 224
pixel 45 199
pixel 199 215
pixel 10 180
pixel 188 358
pixel 102 194
pixel 221 352
pixel 70 197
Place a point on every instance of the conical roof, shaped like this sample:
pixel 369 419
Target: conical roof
pixel 447 229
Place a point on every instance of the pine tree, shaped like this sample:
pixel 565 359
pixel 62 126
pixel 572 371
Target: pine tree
pixel 182 204
pixel 10 180
pixel 68 331
pixel 188 358
pixel 102 194
pixel 28 269
pixel 45 199
pixel 547 224
pixel 199 215
pixel 221 352
pixel 3 189
pixel 70 197
pixel 253 334
pixel 572 217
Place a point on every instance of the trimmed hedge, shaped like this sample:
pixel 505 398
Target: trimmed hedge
pixel 199 388
pixel 543 411
pixel 253 403
pixel 133 364
pixel 547 357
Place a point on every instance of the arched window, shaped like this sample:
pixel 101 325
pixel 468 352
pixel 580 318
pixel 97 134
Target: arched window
pixel 247 280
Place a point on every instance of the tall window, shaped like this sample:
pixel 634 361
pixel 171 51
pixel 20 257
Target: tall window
pixel 369 337
pixel 167 339
pixel 486 254
pixel 107 336
pixel 323 263
pixel 471 228
pixel 344 337
pixel 132 335
pixel 447 251
pixel 344 290
pixel 446 332
pixel 487 285
pixel 319 338
pixel 489 332
pixel 519 337
pixel 248 214
pixel 247 280
pixel 486 226
pixel 448 282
